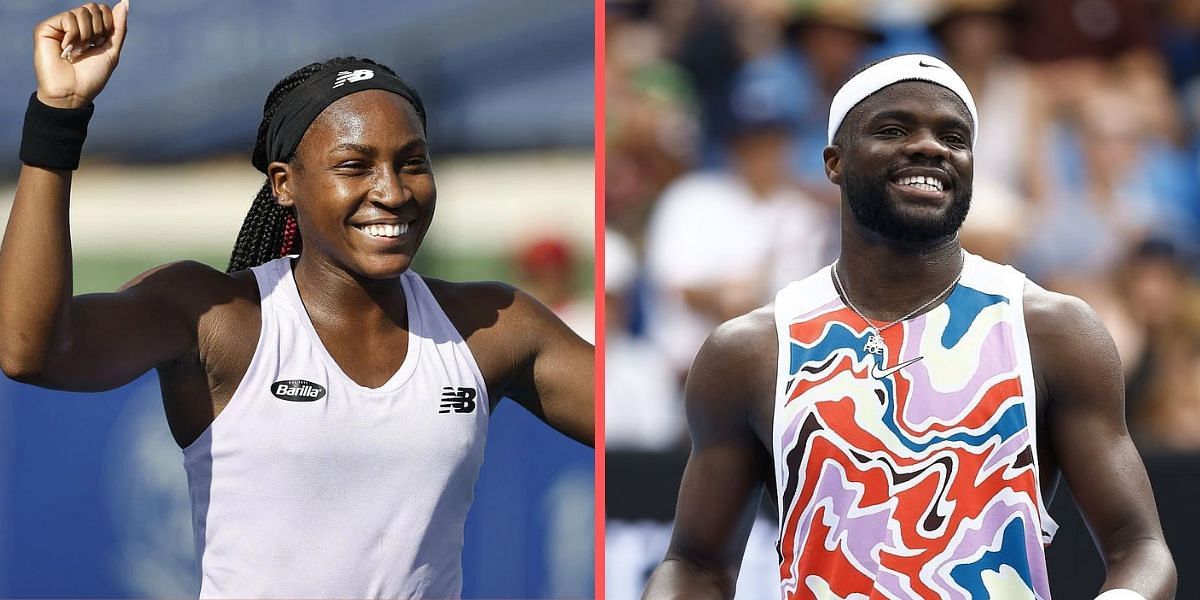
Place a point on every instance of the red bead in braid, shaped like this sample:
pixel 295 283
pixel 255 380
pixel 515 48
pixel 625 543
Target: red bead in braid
pixel 289 235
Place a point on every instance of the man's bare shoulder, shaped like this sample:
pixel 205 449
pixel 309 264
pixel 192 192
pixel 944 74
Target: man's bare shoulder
pixel 1069 344
pixel 734 372
pixel 1059 319
pixel 747 340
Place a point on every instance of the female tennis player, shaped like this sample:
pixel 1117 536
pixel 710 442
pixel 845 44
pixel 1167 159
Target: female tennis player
pixel 332 405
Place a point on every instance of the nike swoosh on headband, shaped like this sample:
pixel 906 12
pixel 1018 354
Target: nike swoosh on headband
pixel 905 67
pixel 877 373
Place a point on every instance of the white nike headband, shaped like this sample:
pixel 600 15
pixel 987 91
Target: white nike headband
pixel 907 67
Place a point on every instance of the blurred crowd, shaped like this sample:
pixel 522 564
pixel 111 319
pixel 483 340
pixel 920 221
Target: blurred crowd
pixel 1087 174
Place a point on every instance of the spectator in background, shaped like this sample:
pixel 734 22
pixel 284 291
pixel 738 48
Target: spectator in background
pixel 1179 25
pixel 1163 303
pixel 548 271
pixel 1089 158
pixel 720 240
pixel 1084 30
pixel 977 38
pixel 828 39
pixel 1180 43
pixel 651 127
pixel 1113 184
pixel 1075 46
pixel 701 36
pixel 642 403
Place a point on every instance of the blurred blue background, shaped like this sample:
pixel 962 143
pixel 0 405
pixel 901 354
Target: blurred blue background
pixel 194 75
pixel 93 497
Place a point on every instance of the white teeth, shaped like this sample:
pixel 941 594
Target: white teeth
pixel 385 229
pixel 921 182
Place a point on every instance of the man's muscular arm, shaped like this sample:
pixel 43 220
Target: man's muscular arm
pixel 1077 362
pixel 722 484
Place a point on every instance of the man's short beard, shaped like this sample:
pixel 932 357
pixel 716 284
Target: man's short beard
pixel 868 198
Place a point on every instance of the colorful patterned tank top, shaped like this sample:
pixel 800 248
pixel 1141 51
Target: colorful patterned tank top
pixel 916 483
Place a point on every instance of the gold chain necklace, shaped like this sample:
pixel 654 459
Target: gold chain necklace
pixel 875 341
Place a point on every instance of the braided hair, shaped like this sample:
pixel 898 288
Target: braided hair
pixel 269 230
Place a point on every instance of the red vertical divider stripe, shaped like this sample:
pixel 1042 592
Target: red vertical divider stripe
pixel 598 140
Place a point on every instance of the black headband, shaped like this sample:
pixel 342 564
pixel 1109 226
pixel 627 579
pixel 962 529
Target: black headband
pixel 301 106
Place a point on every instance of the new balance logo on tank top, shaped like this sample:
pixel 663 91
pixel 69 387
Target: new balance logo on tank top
pixel 913 483
pixel 309 485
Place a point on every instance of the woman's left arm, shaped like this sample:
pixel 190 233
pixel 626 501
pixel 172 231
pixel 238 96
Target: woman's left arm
pixel 557 383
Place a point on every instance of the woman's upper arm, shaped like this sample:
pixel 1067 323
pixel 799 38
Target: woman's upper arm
pixel 113 338
pixel 560 385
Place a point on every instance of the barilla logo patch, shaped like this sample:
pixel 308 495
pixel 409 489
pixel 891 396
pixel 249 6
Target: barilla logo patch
pixel 352 76
pixel 297 390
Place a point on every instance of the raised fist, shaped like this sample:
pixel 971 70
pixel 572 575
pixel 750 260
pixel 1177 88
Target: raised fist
pixel 75 52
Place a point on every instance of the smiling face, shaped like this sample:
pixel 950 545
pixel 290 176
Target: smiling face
pixel 903 160
pixel 362 185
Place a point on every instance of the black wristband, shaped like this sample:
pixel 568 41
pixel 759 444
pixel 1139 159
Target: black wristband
pixel 53 137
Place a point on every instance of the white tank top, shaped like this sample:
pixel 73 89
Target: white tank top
pixel 309 485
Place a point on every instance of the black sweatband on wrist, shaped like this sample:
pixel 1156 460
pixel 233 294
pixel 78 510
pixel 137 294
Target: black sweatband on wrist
pixel 53 137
